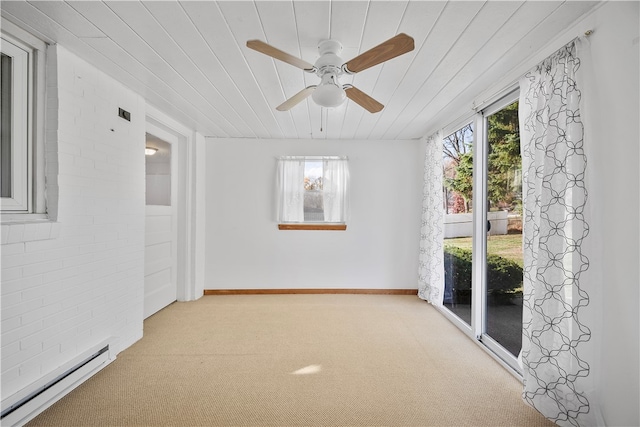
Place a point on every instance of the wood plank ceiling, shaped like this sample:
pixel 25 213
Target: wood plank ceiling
pixel 190 60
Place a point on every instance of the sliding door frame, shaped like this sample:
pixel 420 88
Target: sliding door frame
pixel 480 233
pixel 477 329
pixel 452 317
pixel 479 241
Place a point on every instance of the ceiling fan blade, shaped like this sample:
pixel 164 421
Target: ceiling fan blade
pixel 385 51
pixel 271 51
pixel 362 99
pixel 296 99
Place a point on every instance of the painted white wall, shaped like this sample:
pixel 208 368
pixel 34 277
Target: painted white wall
pixel 245 249
pixel 614 159
pixel 199 224
pixel 71 284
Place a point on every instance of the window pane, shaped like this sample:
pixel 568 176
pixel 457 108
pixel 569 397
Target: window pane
pixel 313 201
pixel 16 143
pixel 504 236
pixel 158 172
pixel 5 113
pixel 313 189
pixel 458 229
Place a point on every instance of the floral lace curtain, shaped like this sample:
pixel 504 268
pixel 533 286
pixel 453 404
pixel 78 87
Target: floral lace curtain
pixel 555 356
pixel 431 258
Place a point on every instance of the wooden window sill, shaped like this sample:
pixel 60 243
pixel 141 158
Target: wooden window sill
pixel 334 227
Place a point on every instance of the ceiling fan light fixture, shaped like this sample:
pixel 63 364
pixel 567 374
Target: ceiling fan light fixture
pixel 329 92
pixel 329 95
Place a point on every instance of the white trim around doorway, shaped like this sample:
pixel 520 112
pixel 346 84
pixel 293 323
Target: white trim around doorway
pixel 191 204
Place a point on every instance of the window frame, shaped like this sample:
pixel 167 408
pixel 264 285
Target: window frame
pixel 30 153
pixel 311 225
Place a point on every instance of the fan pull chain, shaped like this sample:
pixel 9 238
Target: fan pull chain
pixel 321 119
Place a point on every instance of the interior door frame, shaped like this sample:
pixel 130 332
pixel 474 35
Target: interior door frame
pixel 172 140
pixel 190 203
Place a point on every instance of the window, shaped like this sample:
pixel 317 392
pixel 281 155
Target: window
pixel 313 191
pixel 21 84
pixel 15 127
pixel 158 171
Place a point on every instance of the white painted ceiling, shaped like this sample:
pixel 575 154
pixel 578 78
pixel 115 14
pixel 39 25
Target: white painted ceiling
pixel 189 58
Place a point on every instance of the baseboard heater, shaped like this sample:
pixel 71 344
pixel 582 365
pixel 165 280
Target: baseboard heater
pixel 311 291
pixel 48 391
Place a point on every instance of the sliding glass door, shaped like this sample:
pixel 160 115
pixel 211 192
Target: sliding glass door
pixel 482 186
pixel 502 317
pixel 458 230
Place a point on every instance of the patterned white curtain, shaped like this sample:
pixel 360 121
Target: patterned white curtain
pixel 335 184
pixel 555 345
pixel 290 186
pixel 431 258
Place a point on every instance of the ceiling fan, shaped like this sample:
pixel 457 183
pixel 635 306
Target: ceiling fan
pixel 329 67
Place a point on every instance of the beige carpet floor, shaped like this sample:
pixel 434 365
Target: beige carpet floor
pixel 293 360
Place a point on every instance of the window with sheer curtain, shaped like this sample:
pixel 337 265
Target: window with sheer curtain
pixel 313 190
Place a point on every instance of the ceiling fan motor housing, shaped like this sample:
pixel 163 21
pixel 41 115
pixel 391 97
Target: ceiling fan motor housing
pixel 329 61
pixel 329 93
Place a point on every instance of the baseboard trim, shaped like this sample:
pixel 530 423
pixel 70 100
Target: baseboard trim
pixel 310 291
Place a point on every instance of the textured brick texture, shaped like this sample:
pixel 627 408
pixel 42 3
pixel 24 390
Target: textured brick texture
pixel 78 279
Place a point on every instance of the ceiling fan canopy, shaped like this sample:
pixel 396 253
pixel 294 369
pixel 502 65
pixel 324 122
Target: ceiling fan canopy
pixel 329 67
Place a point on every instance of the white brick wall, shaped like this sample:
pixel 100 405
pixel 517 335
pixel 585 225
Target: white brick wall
pixel 74 282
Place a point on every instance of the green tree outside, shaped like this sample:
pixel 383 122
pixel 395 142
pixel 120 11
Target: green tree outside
pixel 504 166
pixel 504 185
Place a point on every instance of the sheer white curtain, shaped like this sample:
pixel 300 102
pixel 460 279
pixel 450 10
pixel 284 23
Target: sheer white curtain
pixel 335 184
pixel 431 258
pixel 557 346
pixel 290 186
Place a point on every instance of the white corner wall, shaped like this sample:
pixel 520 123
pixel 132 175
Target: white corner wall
pixel 615 50
pixel 71 284
pixel 245 249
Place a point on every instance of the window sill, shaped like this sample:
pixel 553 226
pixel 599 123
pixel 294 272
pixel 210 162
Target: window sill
pixel 332 227
pixel 30 229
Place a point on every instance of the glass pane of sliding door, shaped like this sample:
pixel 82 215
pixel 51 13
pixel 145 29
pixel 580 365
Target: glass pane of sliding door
pixel 502 309
pixel 482 192
pixel 458 222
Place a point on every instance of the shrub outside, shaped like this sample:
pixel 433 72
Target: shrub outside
pixel 504 276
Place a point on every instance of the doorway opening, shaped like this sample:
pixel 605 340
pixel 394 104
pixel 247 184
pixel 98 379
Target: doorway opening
pixel 160 271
